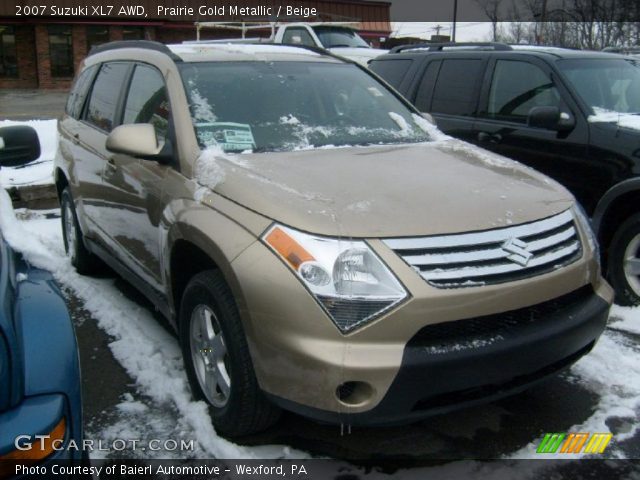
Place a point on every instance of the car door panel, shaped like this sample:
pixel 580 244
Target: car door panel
pixel 448 90
pixel 134 185
pixel 502 127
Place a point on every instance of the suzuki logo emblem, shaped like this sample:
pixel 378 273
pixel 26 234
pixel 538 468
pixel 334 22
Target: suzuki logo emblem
pixel 518 250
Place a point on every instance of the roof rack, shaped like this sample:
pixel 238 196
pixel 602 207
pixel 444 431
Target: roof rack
pixel 438 47
pixel 146 44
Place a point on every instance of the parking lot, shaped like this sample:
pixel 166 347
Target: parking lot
pixel 134 384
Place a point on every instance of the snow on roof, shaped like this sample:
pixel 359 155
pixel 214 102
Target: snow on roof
pixel 196 51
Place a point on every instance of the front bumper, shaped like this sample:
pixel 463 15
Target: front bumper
pixel 303 362
pixel 442 370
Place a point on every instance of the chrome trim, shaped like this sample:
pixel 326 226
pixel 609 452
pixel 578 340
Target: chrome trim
pixel 488 254
pixel 479 238
pixel 497 269
pixel 483 258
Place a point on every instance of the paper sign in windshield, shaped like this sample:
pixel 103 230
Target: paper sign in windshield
pixel 230 136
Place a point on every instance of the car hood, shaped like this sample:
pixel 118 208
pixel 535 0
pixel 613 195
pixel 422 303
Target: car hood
pixel 386 191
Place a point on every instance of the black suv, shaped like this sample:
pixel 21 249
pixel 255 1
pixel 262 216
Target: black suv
pixel 573 115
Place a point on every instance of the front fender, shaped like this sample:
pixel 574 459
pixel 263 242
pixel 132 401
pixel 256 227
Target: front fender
pixel 211 230
pixel 45 330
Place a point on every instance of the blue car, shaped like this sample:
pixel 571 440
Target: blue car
pixel 40 387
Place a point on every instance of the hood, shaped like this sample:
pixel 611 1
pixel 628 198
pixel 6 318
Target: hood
pixel 389 191
pixel 360 55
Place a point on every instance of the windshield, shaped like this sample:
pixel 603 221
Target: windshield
pixel 277 106
pixel 339 37
pixel 605 85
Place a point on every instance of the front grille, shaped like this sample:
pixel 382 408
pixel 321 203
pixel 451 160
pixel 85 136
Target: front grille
pixel 479 332
pixel 493 256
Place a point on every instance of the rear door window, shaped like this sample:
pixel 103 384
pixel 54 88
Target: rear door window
pixel 455 92
pixel 105 95
pixel 518 86
pixel 425 89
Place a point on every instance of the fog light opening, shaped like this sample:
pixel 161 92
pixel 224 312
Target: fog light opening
pixel 354 393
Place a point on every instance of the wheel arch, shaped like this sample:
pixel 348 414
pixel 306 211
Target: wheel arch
pixel 191 251
pixel 616 205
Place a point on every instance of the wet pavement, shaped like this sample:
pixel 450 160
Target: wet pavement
pixel 485 432
pixel 31 104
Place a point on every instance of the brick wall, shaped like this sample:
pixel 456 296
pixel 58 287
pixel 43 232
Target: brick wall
pixel 27 67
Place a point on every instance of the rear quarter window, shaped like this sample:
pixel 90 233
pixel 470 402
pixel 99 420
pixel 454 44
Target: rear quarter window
pixel 79 92
pixel 393 71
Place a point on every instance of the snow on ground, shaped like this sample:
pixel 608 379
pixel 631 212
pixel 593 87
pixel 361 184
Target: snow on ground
pixel 626 120
pixel 39 171
pixel 149 354
pixel 152 357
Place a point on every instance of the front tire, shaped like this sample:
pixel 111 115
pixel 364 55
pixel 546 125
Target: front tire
pixel 81 258
pixel 624 262
pixel 217 359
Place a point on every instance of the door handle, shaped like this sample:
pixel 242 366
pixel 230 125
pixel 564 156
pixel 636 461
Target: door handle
pixel 489 137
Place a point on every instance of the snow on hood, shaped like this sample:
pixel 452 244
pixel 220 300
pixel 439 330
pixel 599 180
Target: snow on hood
pixel 625 120
pixel 385 191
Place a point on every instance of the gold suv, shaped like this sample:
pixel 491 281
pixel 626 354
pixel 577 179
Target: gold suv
pixel 317 244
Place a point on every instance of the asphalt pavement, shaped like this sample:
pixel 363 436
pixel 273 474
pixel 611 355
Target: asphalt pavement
pixel 485 432
pixel 31 104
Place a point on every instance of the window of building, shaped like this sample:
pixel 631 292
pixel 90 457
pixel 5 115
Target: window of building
pixel 147 100
pixel 455 90
pixel 516 88
pixel 96 35
pixel 61 50
pixel 133 33
pixel 8 57
pixel 103 103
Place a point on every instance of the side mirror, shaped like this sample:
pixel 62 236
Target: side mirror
pixel 19 145
pixel 550 118
pixel 137 140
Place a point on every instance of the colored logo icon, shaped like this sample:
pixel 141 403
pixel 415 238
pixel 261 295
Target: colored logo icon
pixel 574 443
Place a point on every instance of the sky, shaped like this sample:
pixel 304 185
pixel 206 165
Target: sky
pixel 472 24
pixel 465 31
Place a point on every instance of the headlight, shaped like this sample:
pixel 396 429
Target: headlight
pixel 346 277
pixel 582 217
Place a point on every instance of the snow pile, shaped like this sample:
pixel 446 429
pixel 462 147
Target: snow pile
pixel 405 128
pixel 202 110
pixel 626 120
pixel 40 171
pixel 245 49
pixel 148 353
pixel 429 128
pixel 208 171
pixel 612 371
